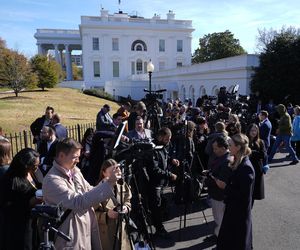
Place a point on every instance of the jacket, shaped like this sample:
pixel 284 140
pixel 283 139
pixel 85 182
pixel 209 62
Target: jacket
pixel 108 226
pixel 296 129
pixel 81 224
pixel 285 124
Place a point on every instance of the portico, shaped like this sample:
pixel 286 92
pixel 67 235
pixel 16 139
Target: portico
pixel 63 42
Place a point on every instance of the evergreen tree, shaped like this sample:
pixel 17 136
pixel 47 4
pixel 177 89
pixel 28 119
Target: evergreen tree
pixel 47 71
pixel 278 75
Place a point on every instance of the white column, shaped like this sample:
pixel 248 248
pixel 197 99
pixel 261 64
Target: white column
pixel 62 59
pixel 57 58
pixel 68 63
pixel 40 49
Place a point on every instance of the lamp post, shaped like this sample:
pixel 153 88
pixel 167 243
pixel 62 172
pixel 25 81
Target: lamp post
pixel 114 94
pixel 150 69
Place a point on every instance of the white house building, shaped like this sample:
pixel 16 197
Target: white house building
pixel 116 49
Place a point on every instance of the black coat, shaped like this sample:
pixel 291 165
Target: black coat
pixel 16 224
pixel 236 228
pixel 258 159
pixel 37 126
pixel 48 155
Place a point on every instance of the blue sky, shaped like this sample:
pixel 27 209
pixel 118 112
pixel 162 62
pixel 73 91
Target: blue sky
pixel 19 19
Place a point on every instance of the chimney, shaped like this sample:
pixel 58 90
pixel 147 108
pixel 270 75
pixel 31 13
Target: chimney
pixel 104 13
pixel 171 15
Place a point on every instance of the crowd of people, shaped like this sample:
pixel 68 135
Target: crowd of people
pixel 101 197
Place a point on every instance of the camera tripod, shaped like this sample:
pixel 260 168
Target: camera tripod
pixel 143 218
pixel 189 188
pixel 47 244
pixel 122 216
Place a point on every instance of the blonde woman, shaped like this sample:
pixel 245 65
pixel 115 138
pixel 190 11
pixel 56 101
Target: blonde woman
pixel 236 228
pixel 108 211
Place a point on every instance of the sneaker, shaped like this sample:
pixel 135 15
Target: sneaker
pixel 162 233
pixel 294 162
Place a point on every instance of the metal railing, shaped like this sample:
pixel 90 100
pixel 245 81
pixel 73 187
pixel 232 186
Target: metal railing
pixel 25 139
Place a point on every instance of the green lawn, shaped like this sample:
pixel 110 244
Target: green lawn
pixel 17 113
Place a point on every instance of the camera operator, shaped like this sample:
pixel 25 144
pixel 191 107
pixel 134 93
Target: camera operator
pixel 218 176
pixel 108 211
pixel 64 185
pixel 159 176
pixel 140 110
pixel 222 96
pixel 139 132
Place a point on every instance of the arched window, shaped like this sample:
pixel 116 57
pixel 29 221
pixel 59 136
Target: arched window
pixel 192 94
pixel 183 94
pixel 139 45
pixel 202 91
pixel 215 90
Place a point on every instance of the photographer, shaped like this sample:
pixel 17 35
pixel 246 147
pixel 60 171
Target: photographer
pixel 64 185
pixel 159 176
pixel 108 211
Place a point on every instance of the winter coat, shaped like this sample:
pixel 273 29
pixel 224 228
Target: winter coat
pixel 108 226
pixel 285 124
pixel 296 129
pixel 236 228
pixel 81 224
pixel 258 159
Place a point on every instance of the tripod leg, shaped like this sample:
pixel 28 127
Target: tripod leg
pixel 116 234
pixel 179 237
pixel 204 217
pixel 184 218
pixel 126 218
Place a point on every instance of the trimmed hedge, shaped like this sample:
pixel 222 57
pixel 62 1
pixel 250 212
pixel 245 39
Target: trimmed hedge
pixel 98 93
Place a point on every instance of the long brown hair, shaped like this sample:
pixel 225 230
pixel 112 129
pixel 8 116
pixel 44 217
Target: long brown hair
pixel 5 147
pixel 256 140
pixel 242 141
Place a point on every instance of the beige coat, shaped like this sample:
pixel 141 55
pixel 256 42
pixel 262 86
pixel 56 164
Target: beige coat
pixel 108 226
pixel 81 225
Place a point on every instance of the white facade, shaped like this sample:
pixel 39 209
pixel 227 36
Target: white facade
pixel 120 46
pixel 196 80
pixel 116 49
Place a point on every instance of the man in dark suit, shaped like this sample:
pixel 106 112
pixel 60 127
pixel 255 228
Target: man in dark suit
pixel 139 132
pixel 265 128
pixel 60 130
pixel 104 120
pixel 38 124
pixel 47 149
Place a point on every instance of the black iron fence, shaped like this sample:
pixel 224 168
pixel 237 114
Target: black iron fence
pixel 25 139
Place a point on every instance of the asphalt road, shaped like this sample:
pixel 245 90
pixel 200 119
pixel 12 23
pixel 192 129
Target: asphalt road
pixel 276 219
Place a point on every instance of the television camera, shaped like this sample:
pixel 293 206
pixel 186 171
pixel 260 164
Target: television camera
pixel 53 217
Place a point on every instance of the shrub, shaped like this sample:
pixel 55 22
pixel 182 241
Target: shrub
pixel 98 93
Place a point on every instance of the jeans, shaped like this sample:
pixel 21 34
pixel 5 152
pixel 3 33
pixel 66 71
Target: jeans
pixel 287 142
